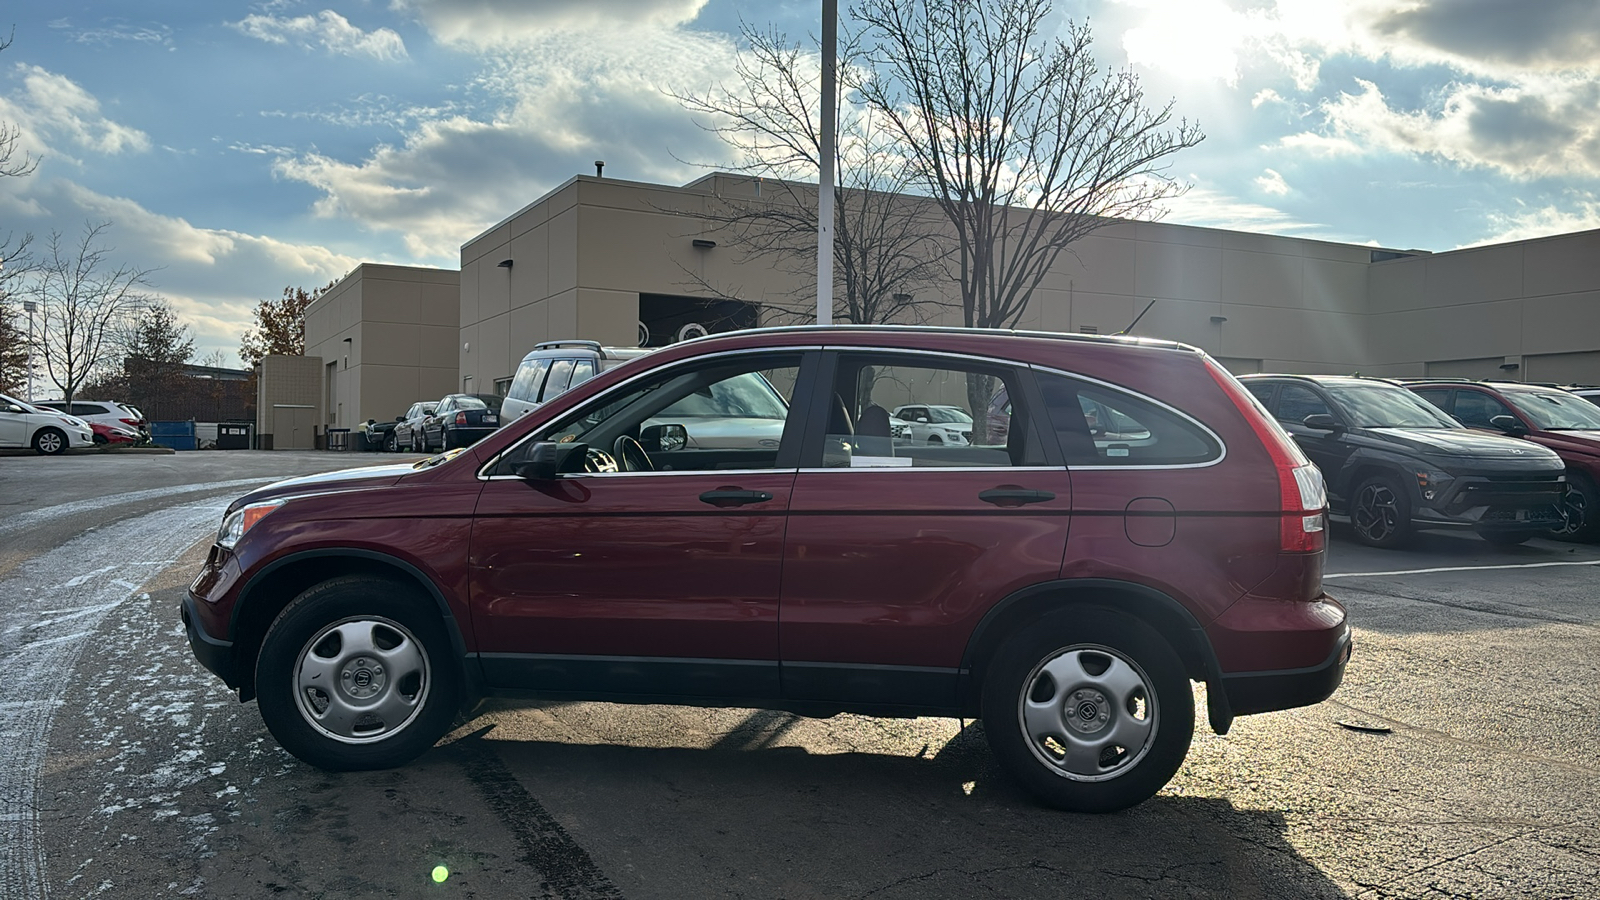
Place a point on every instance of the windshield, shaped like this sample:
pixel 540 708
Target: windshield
pixel 945 415
pixel 1386 406
pixel 747 396
pixel 1555 410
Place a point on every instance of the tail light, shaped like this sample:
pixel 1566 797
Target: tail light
pixel 461 418
pixel 1303 527
pixel 131 423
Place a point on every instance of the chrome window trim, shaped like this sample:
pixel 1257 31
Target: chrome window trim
pixel 534 435
pixel 1223 445
pixel 568 475
pixel 927 470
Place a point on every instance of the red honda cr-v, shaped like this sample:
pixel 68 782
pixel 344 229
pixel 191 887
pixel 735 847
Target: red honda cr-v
pixel 732 522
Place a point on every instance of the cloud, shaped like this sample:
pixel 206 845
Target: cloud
pixel 52 107
pixel 139 34
pixel 1272 183
pixel 1522 132
pixel 497 23
pixel 328 30
pixel 566 99
pixel 1549 34
pixel 1581 214
pixel 1210 208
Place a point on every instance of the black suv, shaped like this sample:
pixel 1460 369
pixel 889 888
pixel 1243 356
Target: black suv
pixel 1394 463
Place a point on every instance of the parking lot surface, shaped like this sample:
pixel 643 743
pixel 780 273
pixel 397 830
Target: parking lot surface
pixel 1461 758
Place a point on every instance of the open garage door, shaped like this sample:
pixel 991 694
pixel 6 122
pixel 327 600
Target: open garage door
pixel 668 318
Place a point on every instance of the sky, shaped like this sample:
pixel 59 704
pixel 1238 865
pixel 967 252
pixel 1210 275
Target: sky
pixel 239 148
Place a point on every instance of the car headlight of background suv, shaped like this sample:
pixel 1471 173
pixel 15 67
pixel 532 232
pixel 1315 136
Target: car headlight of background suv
pixel 241 520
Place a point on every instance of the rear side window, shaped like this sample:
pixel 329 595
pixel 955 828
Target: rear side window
pixel 560 377
pixel 530 377
pixel 1476 409
pixel 1439 397
pixel 1295 402
pixel 1101 426
pixel 88 409
pixel 582 370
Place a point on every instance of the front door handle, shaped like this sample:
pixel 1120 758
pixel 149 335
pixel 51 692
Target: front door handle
pixel 1011 497
pixel 724 498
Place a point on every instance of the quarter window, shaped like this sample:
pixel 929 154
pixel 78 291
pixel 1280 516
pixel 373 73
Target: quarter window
pixel 528 381
pixel 1102 426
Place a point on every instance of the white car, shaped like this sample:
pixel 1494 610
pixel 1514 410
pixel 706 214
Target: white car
pixel 932 424
pixel 45 430
pixel 117 415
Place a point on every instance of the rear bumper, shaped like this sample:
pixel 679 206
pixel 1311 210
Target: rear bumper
pixel 1259 692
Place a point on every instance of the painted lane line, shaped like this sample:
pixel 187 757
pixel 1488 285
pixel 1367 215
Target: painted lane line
pixel 1541 565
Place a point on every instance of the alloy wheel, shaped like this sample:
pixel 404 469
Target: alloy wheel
pixel 1574 509
pixel 1376 512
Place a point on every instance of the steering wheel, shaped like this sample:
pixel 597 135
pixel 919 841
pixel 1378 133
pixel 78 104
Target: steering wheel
pixel 631 456
pixel 597 461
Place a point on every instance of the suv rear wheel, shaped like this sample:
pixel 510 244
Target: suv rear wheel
pixel 356 674
pixel 1089 709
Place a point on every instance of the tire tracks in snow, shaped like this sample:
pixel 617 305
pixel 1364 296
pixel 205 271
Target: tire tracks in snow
pixel 49 606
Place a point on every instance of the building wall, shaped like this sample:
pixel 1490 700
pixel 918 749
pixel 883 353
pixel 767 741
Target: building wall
pixel 288 382
pixel 402 323
pixel 581 256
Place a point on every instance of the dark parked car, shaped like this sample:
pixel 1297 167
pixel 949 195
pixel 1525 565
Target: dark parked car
pixel 1395 464
pixel 407 431
pixel 461 420
pixel 1591 394
pixel 591 551
pixel 1547 416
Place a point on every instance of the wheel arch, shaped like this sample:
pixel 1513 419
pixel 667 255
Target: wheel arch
pixel 269 591
pixel 1170 618
pixel 1361 467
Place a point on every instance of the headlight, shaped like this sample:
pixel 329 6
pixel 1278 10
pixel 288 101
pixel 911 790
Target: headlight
pixel 236 523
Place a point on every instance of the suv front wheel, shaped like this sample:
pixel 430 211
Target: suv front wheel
pixel 1089 709
pixel 356 674
pixel 1380 513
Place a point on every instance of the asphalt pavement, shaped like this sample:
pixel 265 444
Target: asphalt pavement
pixel 1461 758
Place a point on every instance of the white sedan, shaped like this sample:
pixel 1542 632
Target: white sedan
pixel 45 430
pixel 932 424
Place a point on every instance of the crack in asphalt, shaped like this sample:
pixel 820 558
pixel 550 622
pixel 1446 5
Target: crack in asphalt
pixel 1509 612
pixel 1497 749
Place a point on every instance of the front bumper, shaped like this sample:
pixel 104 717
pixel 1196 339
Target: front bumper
pixel 1494 503
pixel 216 655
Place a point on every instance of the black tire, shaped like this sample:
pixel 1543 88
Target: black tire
pixel 101 440
pixel 403 711
pixel 50 442
pixel 1084 765
pixel 1380 513
pixel 416 443
pixel 1508 538
pixel 390 443
pixel 1580 509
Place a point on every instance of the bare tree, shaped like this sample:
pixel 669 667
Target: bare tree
pixel 83 299
pixel 1025 146
pixel 10 139
pixel 886 251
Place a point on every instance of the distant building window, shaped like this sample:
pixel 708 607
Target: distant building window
pixel 1088 329
pixel 502 385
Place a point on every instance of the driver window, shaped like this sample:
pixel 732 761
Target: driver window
pixel 703 418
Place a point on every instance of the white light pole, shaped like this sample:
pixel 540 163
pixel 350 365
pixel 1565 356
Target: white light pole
pixel 830 53
pixel 29 306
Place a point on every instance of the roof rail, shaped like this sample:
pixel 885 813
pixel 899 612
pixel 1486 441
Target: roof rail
pixel 957 329
pixel 550 345
pixel 1411 380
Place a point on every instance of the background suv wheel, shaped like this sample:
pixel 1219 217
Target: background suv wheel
pixel 1380 512
pixel 1089 709
pixel 1580 510
pixel 356 673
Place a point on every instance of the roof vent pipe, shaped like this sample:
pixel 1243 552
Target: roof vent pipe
pixel 599 168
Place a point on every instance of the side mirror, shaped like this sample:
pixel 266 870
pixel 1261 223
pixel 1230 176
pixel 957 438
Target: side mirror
pixel 922 420
pixel 1508 424
pixel 547 459
pixel 664 438
pixel 1320 421
pixel 13 408
pixel 399 418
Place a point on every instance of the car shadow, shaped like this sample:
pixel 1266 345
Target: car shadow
pixel 746 816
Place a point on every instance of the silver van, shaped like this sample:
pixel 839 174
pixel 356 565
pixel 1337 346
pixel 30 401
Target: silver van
pixel 552 367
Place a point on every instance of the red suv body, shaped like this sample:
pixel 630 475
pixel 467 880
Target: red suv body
pixel 1062 582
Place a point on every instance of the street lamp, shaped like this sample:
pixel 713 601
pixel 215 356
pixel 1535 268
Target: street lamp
pixel 830 52
pixel 28 306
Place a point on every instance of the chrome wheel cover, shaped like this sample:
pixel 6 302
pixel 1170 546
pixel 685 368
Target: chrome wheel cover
pixel 1088 713
pixel 361 680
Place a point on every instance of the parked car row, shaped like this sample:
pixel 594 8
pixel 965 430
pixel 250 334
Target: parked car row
pixel 1507 461
pixel 47 431
pixel 457 420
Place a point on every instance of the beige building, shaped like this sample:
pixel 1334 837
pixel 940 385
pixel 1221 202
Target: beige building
pixel 288 390
pixel 385 337
pixel 597 258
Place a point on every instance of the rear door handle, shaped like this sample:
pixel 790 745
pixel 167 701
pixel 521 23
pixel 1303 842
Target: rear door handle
pixel 1013 497
pixel 728 497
